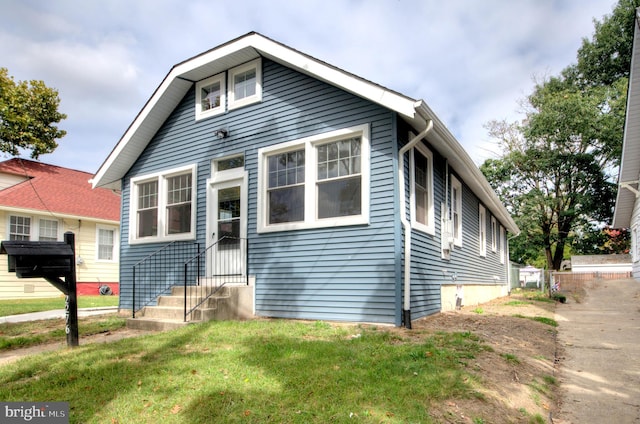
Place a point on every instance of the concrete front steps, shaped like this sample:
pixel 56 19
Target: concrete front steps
pixel 232 302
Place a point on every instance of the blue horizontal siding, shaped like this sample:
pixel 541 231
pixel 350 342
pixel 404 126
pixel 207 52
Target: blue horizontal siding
pixel 345 273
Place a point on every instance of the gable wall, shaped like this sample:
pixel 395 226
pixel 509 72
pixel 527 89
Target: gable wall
pixel 344 273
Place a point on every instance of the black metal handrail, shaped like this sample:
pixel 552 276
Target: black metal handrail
pixel 224 262
pixel 155 274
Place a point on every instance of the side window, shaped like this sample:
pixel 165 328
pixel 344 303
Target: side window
pixel 494 234
pixel 48 230
pixel 106 239
pixel 482 230
pixel 456 210
pixel 421 182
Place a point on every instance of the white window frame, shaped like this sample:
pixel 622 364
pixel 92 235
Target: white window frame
pixel 161 177
pixel 503 245
pixel 39 230
pixel 494 234
pixel 257 97
pixel 34 225
pixel 430 227
pixel 116 250
pixel 482 230
pixel 309 145
pixel 31 226
pixel 201 114
pixel 635 256
pixel 456 187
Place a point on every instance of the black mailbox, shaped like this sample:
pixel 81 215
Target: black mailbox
pixel 32 259
pixel 55 262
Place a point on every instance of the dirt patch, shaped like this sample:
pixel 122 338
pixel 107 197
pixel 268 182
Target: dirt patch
pixel 517 375
pixel 514 378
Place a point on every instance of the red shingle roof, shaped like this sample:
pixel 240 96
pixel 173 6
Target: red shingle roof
pixel 51 188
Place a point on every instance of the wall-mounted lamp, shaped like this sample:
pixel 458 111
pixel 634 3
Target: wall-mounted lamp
pixel 222 133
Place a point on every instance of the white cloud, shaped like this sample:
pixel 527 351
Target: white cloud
pixel 470 61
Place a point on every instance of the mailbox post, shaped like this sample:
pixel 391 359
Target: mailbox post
pixel 49 260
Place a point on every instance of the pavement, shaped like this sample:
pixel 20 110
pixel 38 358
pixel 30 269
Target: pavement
pixel 58 313
pixel 599 344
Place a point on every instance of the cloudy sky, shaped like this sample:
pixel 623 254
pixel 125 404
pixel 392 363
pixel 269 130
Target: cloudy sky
pixel 471 61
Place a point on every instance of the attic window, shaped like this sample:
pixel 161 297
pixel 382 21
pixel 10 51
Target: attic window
pixel 210 96
pixel 245 84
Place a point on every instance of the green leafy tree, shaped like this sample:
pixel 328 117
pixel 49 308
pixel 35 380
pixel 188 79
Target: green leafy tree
pixel 28 114
pixel 558 166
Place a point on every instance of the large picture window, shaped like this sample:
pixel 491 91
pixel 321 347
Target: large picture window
pixel 315 182
pixel 162 206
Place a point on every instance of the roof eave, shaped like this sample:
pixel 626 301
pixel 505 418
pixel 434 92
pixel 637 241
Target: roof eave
pixel 183 75
pixel 447 145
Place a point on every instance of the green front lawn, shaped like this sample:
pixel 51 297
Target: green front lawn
pixel 260 371
pixel 24 306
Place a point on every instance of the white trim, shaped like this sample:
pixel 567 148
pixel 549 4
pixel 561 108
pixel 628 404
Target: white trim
pixel 430 227
pixel 309 145
pixel 456 187
pixel 257 97
pixel 116 243
pixel 161 177
pixel 200 114
pixel 503 245
pixel 482 230
pixel 494 234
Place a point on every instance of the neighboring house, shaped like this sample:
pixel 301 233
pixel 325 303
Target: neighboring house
pixel 627 209
pixel 603 264
pixel 40 202
pixel 356 202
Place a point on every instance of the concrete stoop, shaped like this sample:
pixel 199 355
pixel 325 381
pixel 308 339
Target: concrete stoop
pixel 230 303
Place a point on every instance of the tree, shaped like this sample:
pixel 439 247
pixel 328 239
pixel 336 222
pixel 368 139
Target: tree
pixel 28 112
pixel 558 166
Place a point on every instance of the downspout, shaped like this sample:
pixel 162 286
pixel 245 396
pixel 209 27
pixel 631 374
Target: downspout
pixel 406 225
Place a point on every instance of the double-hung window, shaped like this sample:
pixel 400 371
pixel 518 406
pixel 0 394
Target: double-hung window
pixel 19 228
pixel 162 206
pixel 456 210
pixel 482 230
pixel 48 230
pixel 210 96
pixel 106 238
pixel 319 181
pixel 245 84
pixel 421 182
pixel 494 234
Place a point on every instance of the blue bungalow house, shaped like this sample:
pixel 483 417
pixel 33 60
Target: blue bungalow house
pixel 282 186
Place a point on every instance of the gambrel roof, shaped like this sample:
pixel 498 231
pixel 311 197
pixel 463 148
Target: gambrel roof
pixel 39 187
pixel 184 75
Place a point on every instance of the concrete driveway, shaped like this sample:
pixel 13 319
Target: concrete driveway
pixel 599 340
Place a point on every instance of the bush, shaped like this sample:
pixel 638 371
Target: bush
pixel 559 297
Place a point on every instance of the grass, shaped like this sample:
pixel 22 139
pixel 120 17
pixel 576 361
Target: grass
pixel 549 321
pixel 27 334
pixel 261 371
pixel 510 358
pixel 25 306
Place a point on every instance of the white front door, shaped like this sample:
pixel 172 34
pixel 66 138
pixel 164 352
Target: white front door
pixel 228 230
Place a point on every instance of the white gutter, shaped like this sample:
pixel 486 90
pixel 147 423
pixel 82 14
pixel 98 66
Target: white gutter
pixel 406 225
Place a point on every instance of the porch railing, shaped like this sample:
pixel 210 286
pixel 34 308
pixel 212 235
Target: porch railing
pixel 224 262
pixel 155 274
